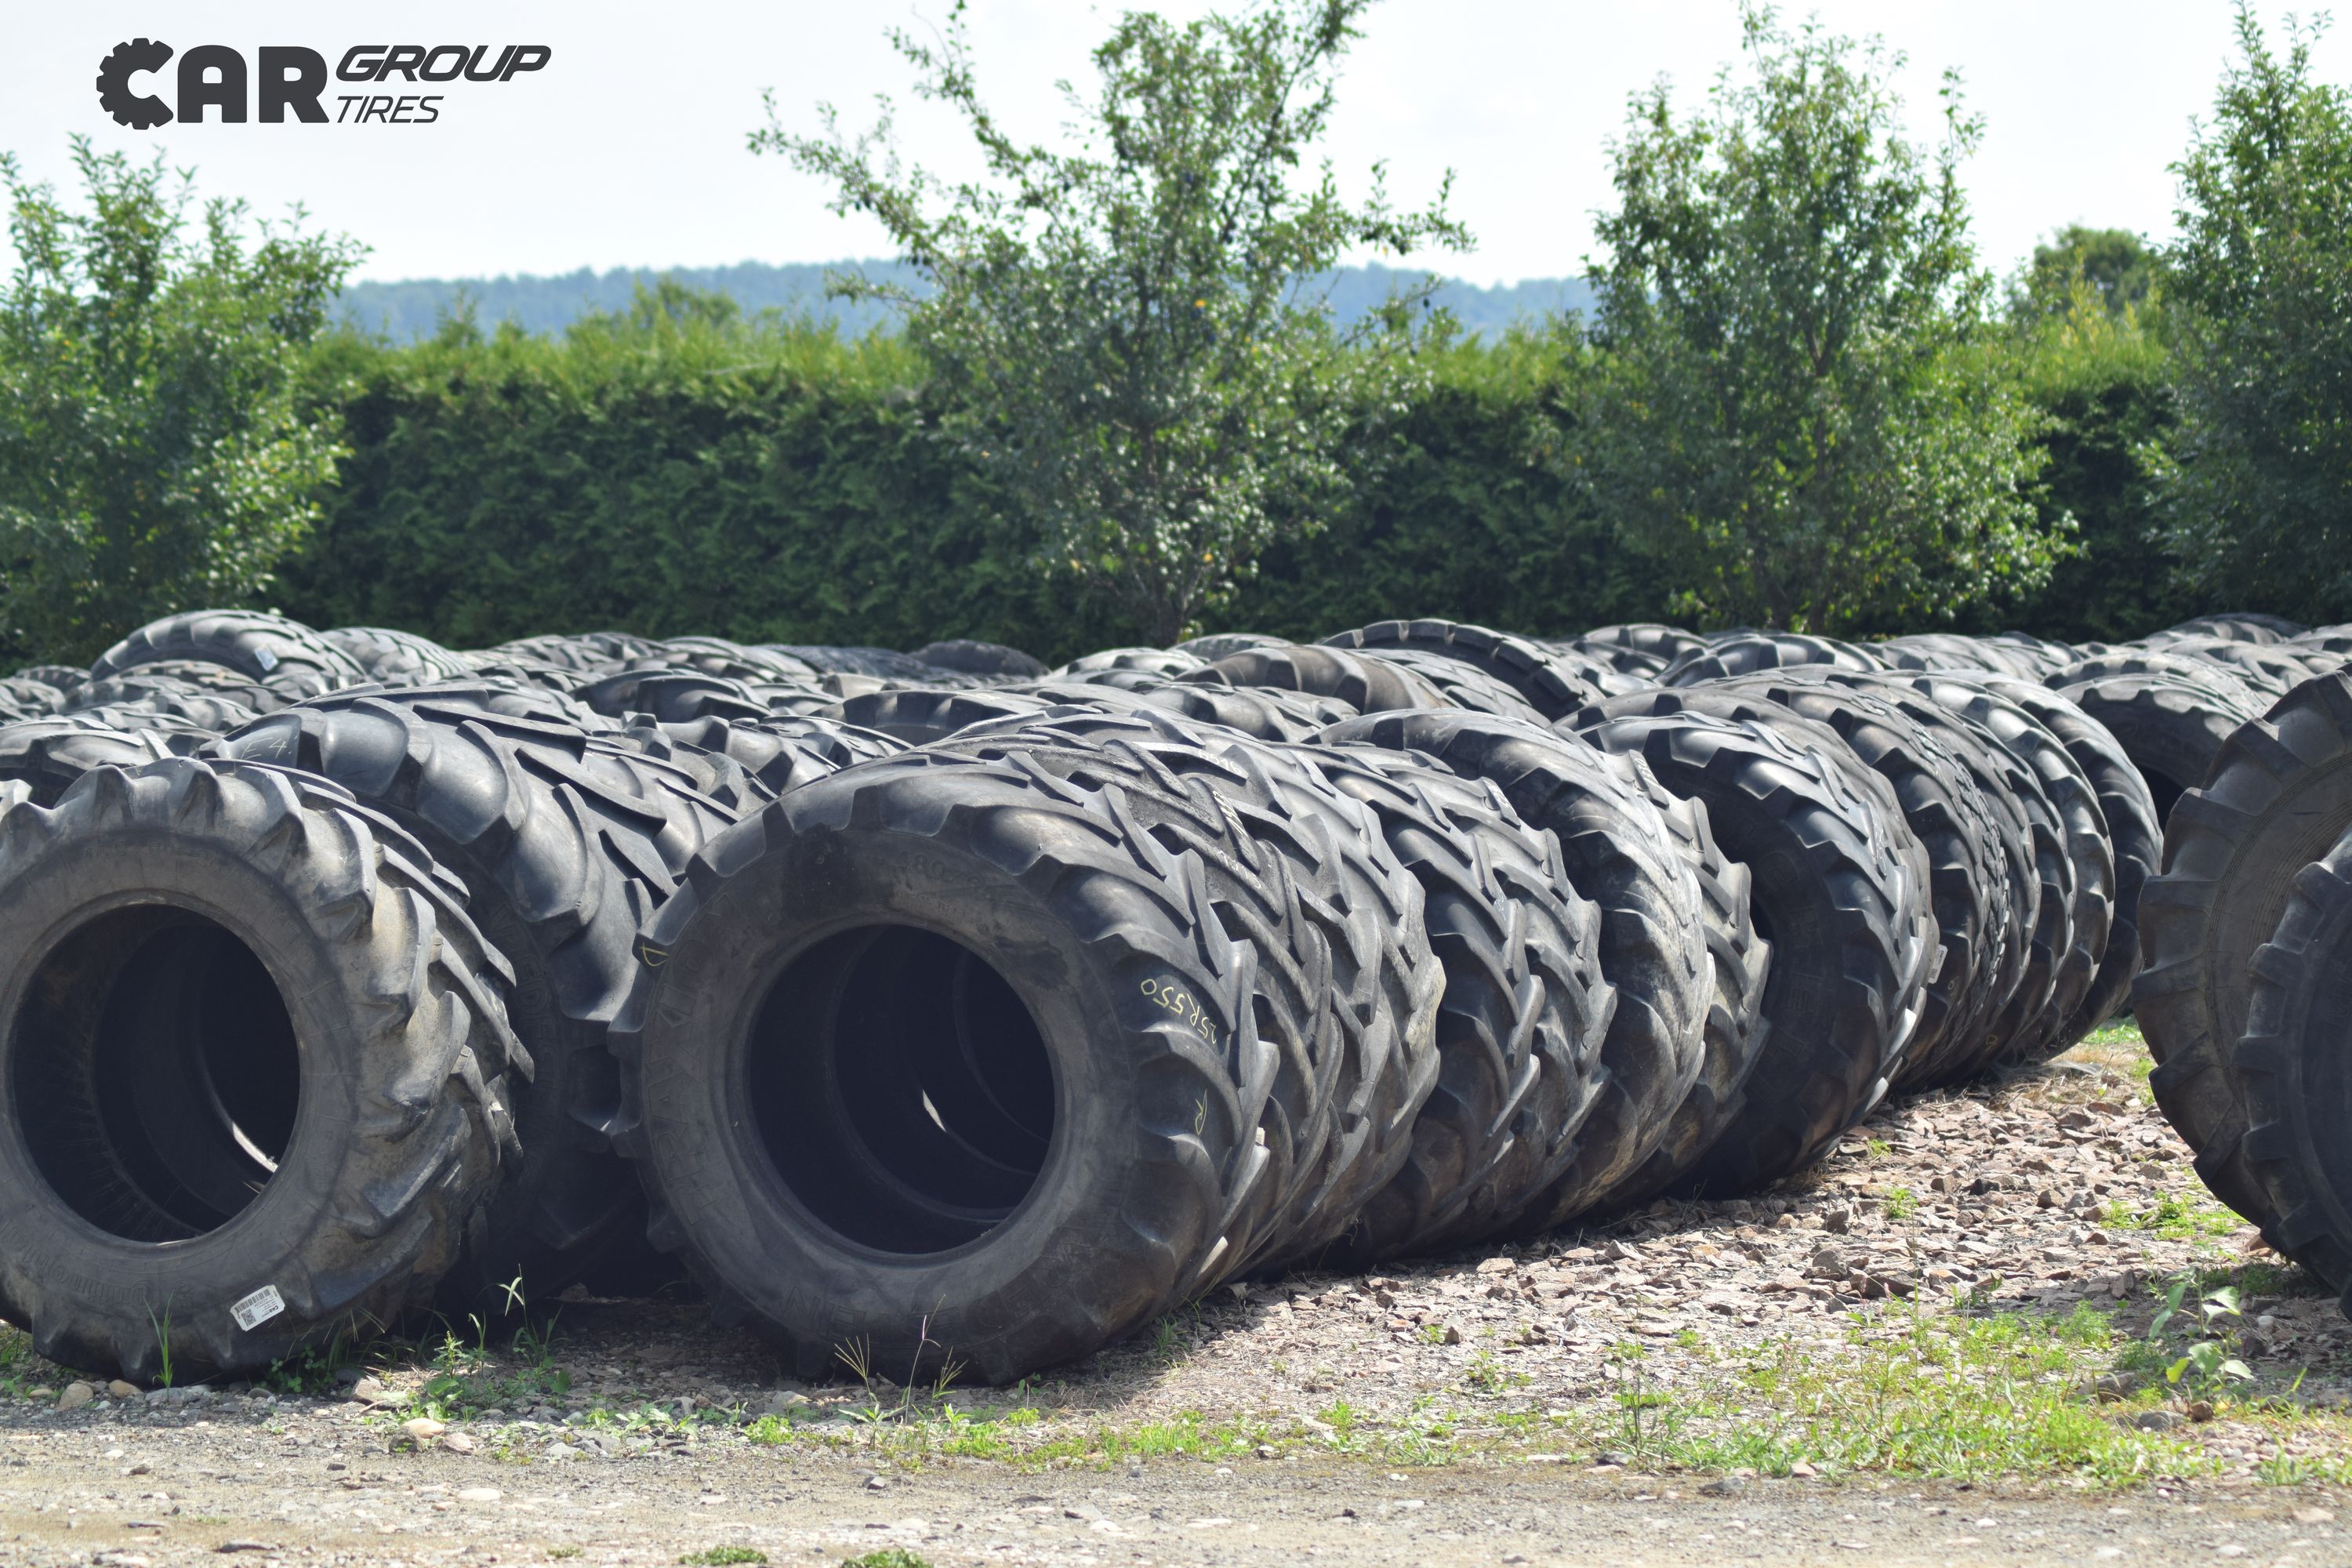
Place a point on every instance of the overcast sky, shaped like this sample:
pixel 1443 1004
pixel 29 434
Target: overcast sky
pixel 628 148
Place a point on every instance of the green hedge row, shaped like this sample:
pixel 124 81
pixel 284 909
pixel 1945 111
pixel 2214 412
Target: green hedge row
pixel 778 486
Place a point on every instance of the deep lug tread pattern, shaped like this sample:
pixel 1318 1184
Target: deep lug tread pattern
pixel 1301 862
pixel 2172 730
pixel 1177 1203
pixel 921 715
pixel 1367 685
pixel 2289 1067
pixel 1838 888
pixel 2279 796
pixel 1552 680
pixel 566 843
pixel 1525 1008
pixel 1746 653
pixel 398 657
pixel 407 1051
pixel 285 656
pixel 1638 853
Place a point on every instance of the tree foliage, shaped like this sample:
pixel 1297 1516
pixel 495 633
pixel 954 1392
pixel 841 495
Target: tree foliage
pixel 151 453
pixel 2114 265
pixel 2258 474
pixel 1798 404
pixel 1126 332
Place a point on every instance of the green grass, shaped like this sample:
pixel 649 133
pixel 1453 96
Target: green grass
pixel 888 1557
pixel 2176 1218
pixel 722 1556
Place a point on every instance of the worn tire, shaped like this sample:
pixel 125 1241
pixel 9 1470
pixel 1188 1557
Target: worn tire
pixel 926 714
pixel 1641 871
pixel 1105 1024
pixel 1467 686
pixel 48 755
pixel 1838 886
pixel 2279 797
pixel 398 657
pixel 566 844
pixel 1746 653
pixel 207 963
pixel 2172 731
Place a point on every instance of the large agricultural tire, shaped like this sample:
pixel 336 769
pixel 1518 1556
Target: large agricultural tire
pixel 2032 833
pixel 1216 645
pixel 1642 873
pixel 2291 1066
pixel 47 756
pixel 1746 653
pixel 228 703
pixel 2279 797
pixel 1366 684
pixel 670 696
pixel 1467 686
pixel 285 656
pixel 1551 681
pixel 1520 1027
pixel 780 752
pixel 588 653
pixel 398 657
pixel 1304 870
pixel 1638 649
pixel 1056 982
pixel 923 715
pixel 1259 710
pixel 2270 669
pixel 965 657
pixel 255 1058
pixel 1967 881
pixel 1843 900
pixel 1165 663
pixel 2160 664
pixel 566 845
pixel 2242 625
pixel 2173 733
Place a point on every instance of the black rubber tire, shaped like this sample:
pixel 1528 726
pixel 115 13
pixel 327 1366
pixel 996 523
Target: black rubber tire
pixel 1519 1033
pixel 189 935
pixel 779 752
pixel 2270 670
pixel 2279 797
pixel 1967 880
pixel 285 656
pixel 1150 1174
pixel 2160 664
pixel 1839 888
pixel 922 715
pixel 671 696
pixel 1367 685
pixel 2172 731
pixel 1550 680
pixel 2090 854
pixel 1638 649
pixel 180 737
pixel 1303 869
pixel 21 699
pixel 597 653
pixel 230 700
pixel 2290 1066
pixel 1621 852
pixel 2134 833
pixel 988 659
pixel 1467 686
pixel 1216 645
pixel 2032 839
pixel 62 677
pixel 1167 663
pixel 566 844
pixel 48 755
pixel 398 657
pixel 1745 653
pixel 737 661
pixel 2242 626
pixel 1259 710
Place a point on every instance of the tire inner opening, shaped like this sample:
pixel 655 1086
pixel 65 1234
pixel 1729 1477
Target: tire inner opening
pixel 155 1074
pixel 901 1089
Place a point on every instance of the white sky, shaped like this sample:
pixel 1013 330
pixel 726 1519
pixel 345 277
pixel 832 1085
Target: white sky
pixel 628 148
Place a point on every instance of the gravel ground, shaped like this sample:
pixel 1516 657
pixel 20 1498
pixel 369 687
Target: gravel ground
pixel 1936 1348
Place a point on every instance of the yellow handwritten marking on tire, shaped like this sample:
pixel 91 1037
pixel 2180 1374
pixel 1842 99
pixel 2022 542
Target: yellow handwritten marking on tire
pixel 1181 1002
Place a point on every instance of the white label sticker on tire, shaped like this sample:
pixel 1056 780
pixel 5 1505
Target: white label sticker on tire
pixel 268 661
pixel 258 1309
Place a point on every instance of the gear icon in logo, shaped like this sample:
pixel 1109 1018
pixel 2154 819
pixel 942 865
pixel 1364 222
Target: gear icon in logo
pixel 137 111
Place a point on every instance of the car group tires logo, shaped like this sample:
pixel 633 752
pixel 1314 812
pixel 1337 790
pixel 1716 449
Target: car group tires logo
pixel 137 110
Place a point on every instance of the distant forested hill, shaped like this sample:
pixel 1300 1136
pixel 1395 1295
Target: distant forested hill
pixel 410 310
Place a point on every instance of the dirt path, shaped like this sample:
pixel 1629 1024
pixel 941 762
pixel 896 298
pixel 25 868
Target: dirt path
pixel 1936 1349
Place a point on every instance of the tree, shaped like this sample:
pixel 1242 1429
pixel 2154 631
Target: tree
pixel 1129 331
pixel 1798 406
pixel 2257 477
pixel 151 456
pixel 2114 263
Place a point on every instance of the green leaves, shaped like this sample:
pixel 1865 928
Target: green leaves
pixel 2258 476
pixel 1796 404
pixel 1123 329
pixel 152 453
